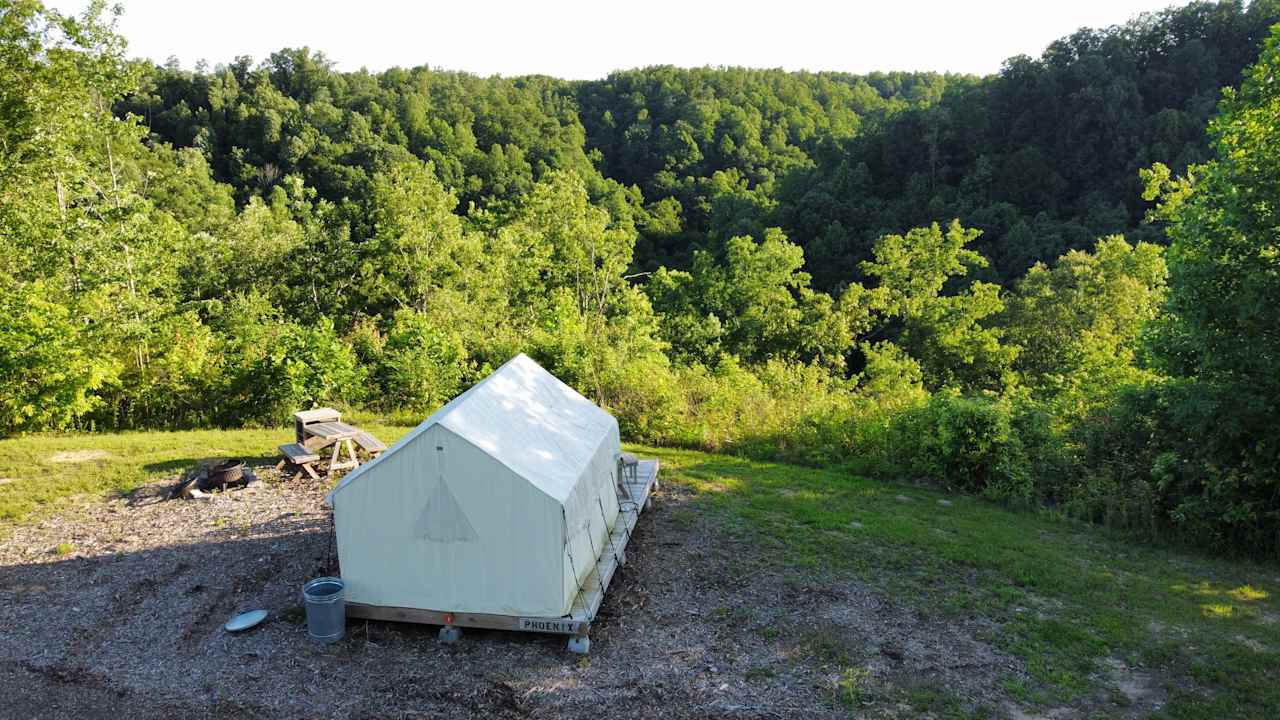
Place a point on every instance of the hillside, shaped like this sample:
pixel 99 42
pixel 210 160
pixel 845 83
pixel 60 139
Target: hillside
pixel 1042 157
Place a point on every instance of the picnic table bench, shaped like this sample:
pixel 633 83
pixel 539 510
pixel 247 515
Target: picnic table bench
pixel 301 456
pixel 369 443
pixel 338 435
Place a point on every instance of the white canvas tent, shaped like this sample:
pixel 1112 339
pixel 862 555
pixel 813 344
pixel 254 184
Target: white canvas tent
pixel 501 502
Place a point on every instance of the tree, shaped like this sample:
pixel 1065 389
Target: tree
pixel 752 301
pixel 942 331
pixel 590 252
pixel 76 229
pixel 1080 324
pixel 422 365
pixel 1223 222
pixel 1221 456
pixel 419 246
pixel 47 377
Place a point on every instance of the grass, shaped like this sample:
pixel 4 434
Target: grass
pixel 1066 598
pixel 852 686
pixel 42 472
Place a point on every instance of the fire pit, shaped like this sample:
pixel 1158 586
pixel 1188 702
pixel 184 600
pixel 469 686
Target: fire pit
pixel 223 474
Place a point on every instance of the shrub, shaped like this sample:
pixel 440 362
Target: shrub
pixel 811 416
pixel 1050 457
pixel 963 443
pixel 717 401
pixel 182 370
pixel 284 367
pixel 47 374
pixel 421 366
pixel 775 411
pixel 645 398
pixel 1177 460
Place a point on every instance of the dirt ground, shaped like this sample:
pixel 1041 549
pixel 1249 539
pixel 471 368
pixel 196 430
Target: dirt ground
pixel 115 609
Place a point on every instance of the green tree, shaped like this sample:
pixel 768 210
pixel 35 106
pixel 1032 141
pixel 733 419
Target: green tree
pixel 1080 324
pixel 47 374
pixel 1223 223
pixel 275 367
pixel 590 252
pixel 754 301
pixel 1222 456
pixel 422 365
pixel 74 216
pixel 943 331
pixel 419 246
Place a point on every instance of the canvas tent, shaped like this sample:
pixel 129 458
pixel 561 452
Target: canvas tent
pixel 500 502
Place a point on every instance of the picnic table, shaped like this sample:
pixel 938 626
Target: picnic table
pixel 315 430
pixel 337 434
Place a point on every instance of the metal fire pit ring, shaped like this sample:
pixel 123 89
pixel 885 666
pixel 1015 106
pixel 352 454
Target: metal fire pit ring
pixel 225 473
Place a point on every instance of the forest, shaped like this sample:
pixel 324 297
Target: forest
pixel 1051 286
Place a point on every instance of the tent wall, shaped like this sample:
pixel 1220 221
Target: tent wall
pixel 450 529
pixel 591 511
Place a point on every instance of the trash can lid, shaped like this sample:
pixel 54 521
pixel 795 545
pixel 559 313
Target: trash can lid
pixel 246 620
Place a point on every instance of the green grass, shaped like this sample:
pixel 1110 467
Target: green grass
pixel 40 472
pixel 1064 597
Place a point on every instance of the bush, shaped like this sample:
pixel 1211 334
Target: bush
pixel 1177 460
pixel 644 396
pixel 717 404
pixel 775 411
pixel 963 443
pixel 811 416
pixel 285 367
pixel 1051 460
pixel 421 366
pixel 182 370
pixel 47 375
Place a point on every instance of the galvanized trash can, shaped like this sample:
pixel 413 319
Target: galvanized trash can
pixel 326 610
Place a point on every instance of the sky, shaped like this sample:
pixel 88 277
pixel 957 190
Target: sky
pixel 574 39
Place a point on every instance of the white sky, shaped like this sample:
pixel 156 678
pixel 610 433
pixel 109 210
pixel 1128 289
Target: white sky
pixel 579 39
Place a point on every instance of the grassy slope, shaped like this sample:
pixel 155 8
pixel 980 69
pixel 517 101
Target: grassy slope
pixel 1065 597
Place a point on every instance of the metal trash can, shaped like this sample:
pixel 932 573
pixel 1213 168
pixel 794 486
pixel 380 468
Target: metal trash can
pixel 326 610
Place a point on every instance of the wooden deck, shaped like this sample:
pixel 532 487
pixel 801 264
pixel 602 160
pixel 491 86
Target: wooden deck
pixel 585 606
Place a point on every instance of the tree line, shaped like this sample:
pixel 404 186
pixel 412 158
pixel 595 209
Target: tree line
pixel 1012 285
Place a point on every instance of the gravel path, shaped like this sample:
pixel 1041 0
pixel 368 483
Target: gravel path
pixel 126 622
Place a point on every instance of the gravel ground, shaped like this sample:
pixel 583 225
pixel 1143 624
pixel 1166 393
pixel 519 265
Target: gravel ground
pixel 115 610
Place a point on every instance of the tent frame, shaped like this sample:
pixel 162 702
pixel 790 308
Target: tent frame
pixel 634 493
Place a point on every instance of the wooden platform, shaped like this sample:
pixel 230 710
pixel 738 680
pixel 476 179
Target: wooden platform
pixel 585 606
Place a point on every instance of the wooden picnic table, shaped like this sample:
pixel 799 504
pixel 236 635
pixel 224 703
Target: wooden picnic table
pixel 319 428
pixel 327 433
pixel 339 435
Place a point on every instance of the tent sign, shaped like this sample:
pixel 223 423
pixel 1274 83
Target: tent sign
pixel 548 626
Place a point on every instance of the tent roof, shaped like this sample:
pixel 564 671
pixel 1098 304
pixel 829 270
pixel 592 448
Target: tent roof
pixel 525 418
